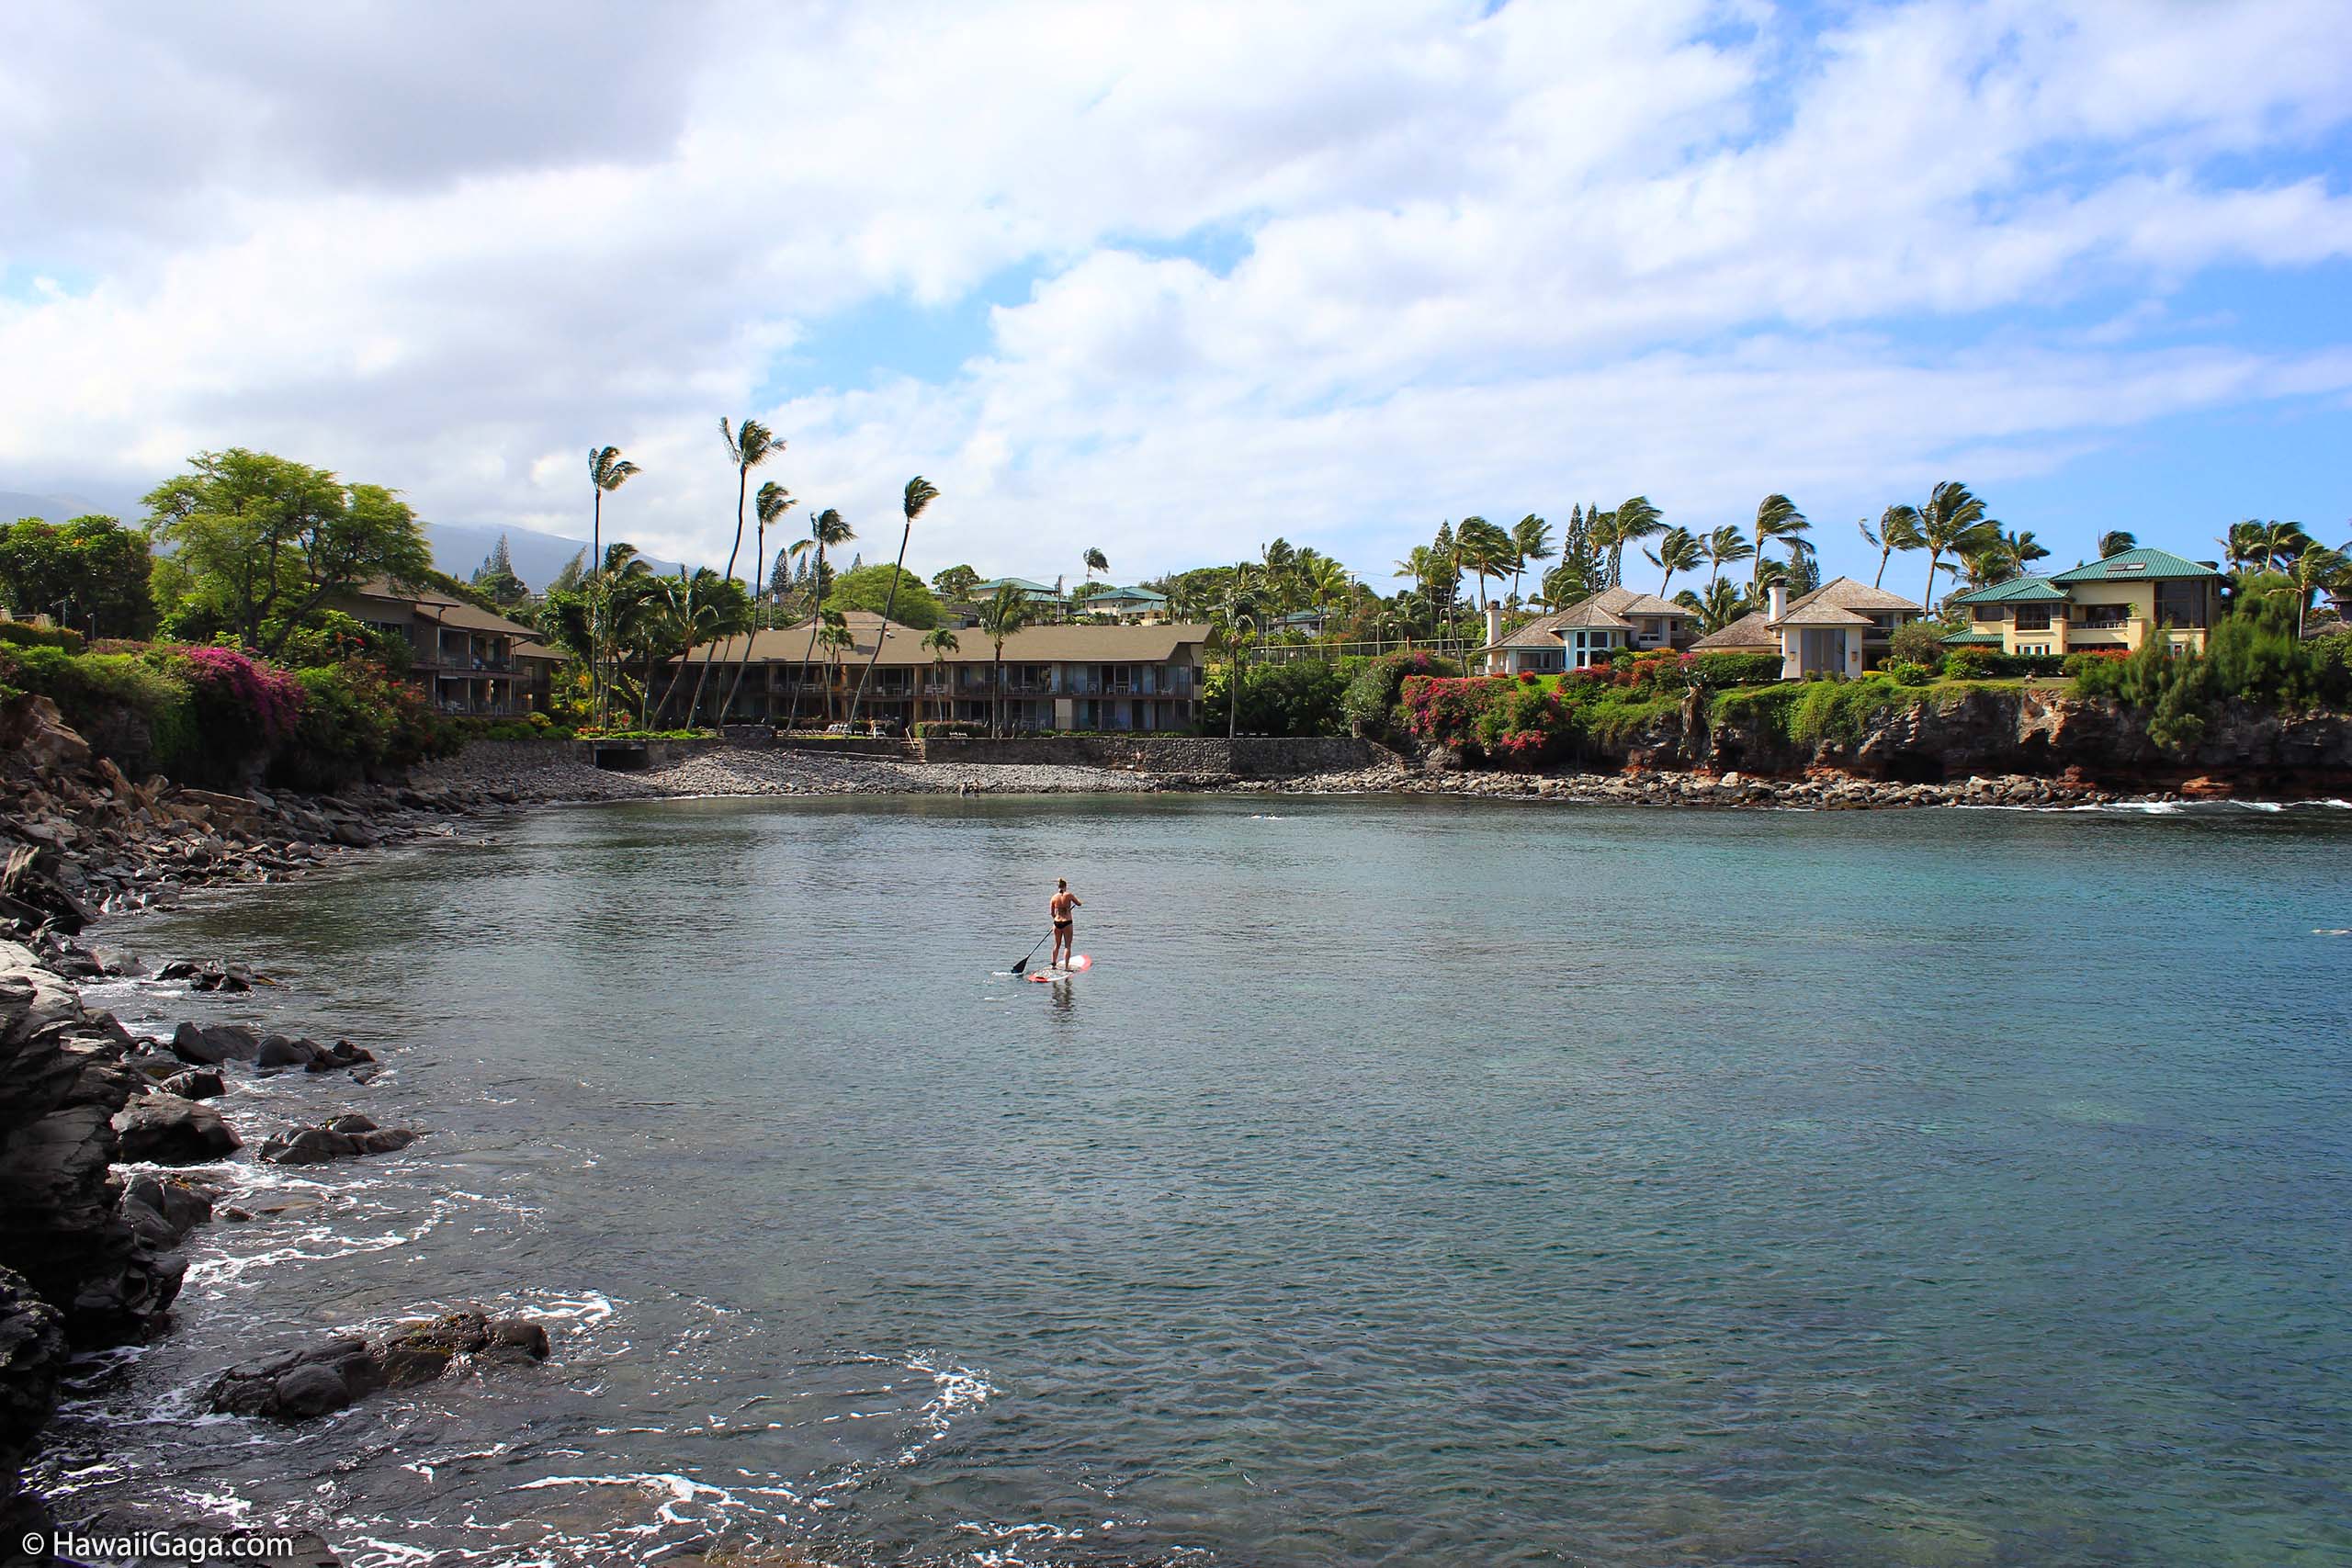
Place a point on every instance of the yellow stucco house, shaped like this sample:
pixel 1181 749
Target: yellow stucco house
pixel 2115 602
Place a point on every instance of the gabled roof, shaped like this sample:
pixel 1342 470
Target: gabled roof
pixel 1592 613
pixel 2135 566
pixel 1819 615
pixel 1844 594
pixel 2026 590
pixel 1751 632
pixel 1626 601
pixel 439 609
pixel 982 589
pixel 1140 595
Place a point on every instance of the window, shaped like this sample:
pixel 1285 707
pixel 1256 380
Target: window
pixel 2033 617
pixel 2102 617
pixel 1986 615
pixel 2182 603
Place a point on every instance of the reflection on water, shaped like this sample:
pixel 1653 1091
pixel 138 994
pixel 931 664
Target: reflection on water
pixel 1410 1181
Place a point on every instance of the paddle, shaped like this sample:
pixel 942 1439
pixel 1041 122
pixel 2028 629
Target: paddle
pixel 1030 955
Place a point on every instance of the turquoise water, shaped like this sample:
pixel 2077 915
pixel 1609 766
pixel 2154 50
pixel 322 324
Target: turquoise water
pixel 1409 1182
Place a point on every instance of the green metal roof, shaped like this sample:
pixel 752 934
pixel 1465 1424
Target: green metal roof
pixel 1022 584
pixel 1142 594
pixel 2016 589
pixel 2140 565
pixel 1973 640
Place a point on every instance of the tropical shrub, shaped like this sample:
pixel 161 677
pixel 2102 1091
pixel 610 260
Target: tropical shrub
pixel 2088 662
pixel 24 634
pixel 1920 642
pixel 1904 672
pixel 1369 701
pixel 1718 671
pixel 942 729
pixel 354 718
pixel 1971 664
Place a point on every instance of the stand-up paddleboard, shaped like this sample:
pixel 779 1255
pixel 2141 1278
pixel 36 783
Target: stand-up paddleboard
pixel 1078 962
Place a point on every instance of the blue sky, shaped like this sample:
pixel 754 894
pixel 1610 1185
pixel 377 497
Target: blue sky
pixel 1175 283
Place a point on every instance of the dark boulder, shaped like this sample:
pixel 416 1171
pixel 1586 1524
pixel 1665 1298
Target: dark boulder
pixel 328 1377
pixel 345 1137
pixel 208 1045
pixel 342 1054
pixel 164 1129
pixel 162 1210
pixel 32 1359
pixel 280 1054
pixel 194 1083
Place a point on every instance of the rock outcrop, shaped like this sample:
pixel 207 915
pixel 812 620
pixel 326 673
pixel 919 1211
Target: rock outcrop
pixel 32 1359
pixel 164 1129
pixel 342 1370
pixel 62 1084
pixel 345 1137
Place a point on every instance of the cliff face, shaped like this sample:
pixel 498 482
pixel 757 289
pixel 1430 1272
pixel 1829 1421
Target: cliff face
pixel 1987 732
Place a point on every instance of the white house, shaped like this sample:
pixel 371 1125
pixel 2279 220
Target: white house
pixel 1586 633
pixel 1840 628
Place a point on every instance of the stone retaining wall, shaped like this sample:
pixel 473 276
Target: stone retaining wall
pixel 1248 757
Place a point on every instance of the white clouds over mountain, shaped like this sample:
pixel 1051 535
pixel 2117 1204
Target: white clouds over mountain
pixel 1330 271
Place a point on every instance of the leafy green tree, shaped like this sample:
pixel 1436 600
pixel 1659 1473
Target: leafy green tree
pixel 574 573
pixel 920 493
pixel 267 541
pixel 92 572
pixel 955 585
pixel 870 588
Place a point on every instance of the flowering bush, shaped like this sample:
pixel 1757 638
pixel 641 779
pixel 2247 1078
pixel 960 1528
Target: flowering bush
pixel 1369 701
pixel 237 690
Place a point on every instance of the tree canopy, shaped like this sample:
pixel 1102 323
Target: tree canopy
pixel 92 572
pixel 867 587
pixel 261 541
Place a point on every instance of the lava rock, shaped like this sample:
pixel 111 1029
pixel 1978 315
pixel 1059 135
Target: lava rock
pixel 209 1045
pixel 196 1083
pixel 164 1129
pixel 162 1210
pixel 342 1370
pixel 345 1137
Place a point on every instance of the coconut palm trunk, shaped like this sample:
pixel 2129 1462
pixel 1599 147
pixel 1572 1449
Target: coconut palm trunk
pixel 750 445
pixel 920 493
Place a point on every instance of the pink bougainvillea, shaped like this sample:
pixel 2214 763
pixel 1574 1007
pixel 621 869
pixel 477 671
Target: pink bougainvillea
pixel 270 696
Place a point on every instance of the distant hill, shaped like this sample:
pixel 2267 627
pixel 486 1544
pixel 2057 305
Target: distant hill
pixel 460 547
pixel 15 503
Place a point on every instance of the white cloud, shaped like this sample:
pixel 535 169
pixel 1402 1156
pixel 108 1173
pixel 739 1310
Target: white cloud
pixel 1487 262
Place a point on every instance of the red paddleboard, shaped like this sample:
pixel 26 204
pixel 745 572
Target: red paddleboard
pixel 1077 962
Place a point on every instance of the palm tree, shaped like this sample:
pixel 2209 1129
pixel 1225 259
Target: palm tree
pixel 826 530
pixel 2115 541
pixel 1634 520
pixel 1530 536
pixel 1486 550
pixel 1952 521
pixel 1095 560
pixel 1898 529
pixel 1005 612
pixel 1677 551
pixel 1777 518
pixel 920 493
pixel 1726 544
pixel 836 639
pixel 607 471
pixel 2022 548
pixel 2282 542
pixel 2243 544
pixel 1232 632
pixel 1567 582
pixel 747 448
pixel 773 502
pixel 939 642
pixel 2314 567
pixel 1720 605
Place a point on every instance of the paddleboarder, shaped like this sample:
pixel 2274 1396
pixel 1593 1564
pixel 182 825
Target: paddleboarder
pixel 1065 927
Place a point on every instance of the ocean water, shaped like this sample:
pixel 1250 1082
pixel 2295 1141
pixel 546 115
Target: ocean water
pixel 1409 1182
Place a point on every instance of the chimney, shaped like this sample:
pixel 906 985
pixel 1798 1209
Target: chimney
pixel 1776 602
pixel 1494 623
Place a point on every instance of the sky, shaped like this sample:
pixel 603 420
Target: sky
pixel 1170 281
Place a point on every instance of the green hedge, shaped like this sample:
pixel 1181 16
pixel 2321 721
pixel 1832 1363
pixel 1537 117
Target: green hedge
pixel 24 634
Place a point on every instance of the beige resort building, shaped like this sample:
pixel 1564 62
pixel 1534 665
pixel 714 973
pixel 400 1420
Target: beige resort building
pixel 1074 677
pixel 2111 603
pixel 465 658
pixel 1842 628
